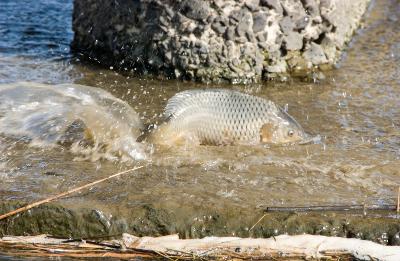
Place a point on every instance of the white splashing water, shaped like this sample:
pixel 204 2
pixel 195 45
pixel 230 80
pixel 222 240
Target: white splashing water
pixel 43 114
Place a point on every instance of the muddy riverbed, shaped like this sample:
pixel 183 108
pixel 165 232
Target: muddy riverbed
pixel 209 190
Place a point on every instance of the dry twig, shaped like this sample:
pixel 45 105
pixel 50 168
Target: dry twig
pixel 38 203
pixel 257 222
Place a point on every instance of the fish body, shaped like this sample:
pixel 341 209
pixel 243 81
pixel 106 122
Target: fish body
pixel 222 116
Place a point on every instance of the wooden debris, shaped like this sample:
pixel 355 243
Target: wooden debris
pixel 330 208
pixel 282 247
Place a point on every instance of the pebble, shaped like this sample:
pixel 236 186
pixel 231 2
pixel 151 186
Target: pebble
pixel 219 25
pixel 293 41
pixel 230 34
pixel 259 22
pixel 273 4
pixel 195 9
pixel 315 54
pixel 286 25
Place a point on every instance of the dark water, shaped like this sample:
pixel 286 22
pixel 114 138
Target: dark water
pixel 36 29
pixel 34 40
pixel 355 110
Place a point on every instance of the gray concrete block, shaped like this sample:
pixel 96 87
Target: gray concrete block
pixel 234 40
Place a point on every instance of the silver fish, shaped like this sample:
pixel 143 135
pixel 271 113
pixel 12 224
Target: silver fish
pixel 222 116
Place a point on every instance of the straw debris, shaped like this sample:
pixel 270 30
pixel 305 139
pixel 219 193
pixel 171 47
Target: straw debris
pixel 171 247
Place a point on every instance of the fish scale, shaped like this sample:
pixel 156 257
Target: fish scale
pixel 222 116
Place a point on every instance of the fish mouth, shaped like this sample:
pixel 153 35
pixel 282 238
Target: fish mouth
pixel 305 138
pixel 308 139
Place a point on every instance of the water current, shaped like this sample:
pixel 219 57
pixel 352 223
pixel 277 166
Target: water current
pixel 355 110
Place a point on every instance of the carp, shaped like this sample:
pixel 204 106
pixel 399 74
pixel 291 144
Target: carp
pixel 225 117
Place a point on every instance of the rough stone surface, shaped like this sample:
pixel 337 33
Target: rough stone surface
pixel 214 40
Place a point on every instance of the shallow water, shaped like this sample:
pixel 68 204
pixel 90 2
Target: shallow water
pixel 355 110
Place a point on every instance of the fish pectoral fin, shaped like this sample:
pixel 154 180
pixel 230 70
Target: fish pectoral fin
pixel 164 135
pixel 186 139
pixel 267 132
pixel 227 138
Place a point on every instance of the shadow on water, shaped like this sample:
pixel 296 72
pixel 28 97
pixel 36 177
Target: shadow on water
pixel 355 110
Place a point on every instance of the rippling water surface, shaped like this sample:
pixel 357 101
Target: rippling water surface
pixel 355 110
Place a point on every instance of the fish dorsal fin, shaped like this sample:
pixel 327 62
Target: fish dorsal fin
pixel 178 103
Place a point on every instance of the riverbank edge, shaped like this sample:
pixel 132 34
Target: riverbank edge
pixel 147 220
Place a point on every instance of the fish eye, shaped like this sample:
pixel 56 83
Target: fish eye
pixel 290 133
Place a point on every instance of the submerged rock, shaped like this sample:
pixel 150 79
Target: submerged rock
pixel 191 38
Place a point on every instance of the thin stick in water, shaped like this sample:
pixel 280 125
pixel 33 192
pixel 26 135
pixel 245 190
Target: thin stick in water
pixel 257 222
pixel 330 208
pixel 38 203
